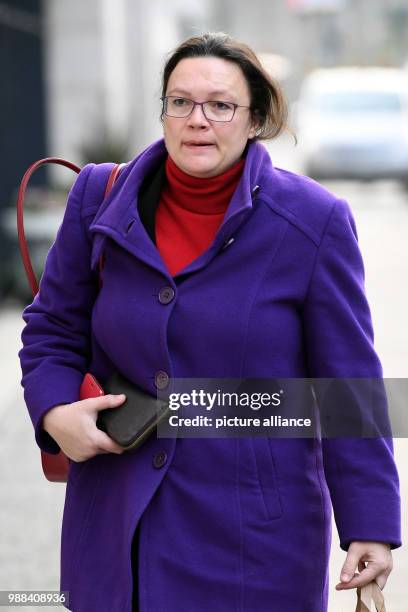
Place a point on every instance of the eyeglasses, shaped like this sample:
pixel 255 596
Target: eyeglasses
pixel 214 110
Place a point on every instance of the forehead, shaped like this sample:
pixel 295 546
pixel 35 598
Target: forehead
pixel 202 76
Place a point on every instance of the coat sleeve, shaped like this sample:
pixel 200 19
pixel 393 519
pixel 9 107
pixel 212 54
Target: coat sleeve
pixel 360 472
pixel 56 337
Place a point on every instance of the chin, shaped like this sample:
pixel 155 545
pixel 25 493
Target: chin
pixel 199 169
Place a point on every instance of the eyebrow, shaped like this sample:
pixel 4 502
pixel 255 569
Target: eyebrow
pixel 218 92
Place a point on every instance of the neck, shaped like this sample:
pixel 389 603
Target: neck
pixel 202 195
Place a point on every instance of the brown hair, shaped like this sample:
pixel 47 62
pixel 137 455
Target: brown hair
pixel 268 103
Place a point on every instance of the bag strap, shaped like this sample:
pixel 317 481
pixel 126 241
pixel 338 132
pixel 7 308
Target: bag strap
pixel 367 594
pixel 32 279
pixel 114 175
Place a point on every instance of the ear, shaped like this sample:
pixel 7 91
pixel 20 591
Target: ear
pixel 255 125
pixel 252 132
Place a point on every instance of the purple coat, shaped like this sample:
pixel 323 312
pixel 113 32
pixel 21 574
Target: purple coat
pixel 225 524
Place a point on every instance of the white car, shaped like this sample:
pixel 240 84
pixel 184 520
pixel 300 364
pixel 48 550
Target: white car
pixel 353 123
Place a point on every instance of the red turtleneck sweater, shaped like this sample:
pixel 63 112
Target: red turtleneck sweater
pixel 190 211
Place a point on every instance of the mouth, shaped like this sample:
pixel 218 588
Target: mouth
pixel 198 145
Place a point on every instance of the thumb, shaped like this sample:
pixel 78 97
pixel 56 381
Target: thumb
pixel 349 566
pixel 106 444
pixel 104 402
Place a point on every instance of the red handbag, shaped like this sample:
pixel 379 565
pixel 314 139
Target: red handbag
pixel 55 467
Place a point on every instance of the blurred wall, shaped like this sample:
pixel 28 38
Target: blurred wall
pixel 22 114
pixel 320 33
pixel 103 67
pixel 94 68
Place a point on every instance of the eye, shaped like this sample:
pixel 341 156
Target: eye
pixel 218 105
pixel 179 101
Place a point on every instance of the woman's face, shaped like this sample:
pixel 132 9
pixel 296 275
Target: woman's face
pixel 201 79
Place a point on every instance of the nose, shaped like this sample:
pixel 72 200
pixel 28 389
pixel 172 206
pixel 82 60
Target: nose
pixel 197 116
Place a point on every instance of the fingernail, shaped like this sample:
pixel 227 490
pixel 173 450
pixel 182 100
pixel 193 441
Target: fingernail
pixel 345 577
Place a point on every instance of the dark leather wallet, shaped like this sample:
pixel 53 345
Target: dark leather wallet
pixel 135 420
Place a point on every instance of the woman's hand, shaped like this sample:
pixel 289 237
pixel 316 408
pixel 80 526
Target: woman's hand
pixel 379 565
pixel 73 427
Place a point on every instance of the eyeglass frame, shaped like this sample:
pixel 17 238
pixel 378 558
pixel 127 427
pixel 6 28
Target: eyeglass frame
pixel 163 98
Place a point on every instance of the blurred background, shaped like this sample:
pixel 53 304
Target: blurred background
pixel 81 81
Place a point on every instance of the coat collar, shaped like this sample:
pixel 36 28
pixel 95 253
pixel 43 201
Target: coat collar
pixel 118 216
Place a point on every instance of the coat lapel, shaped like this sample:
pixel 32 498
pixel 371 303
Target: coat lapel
pixel 118 216
pixel 122 219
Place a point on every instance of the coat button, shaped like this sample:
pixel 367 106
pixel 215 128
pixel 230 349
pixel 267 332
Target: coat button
pixel 166 294
pixel 159 459
pixel 161 379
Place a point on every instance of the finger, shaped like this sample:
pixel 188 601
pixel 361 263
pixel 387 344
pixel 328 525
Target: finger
pixel 359 580
pixel 105 444
pixel 105 401
pixel 350 565
pixel 344 585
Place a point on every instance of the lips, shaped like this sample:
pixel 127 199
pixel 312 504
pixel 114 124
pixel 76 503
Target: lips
pixel 198 144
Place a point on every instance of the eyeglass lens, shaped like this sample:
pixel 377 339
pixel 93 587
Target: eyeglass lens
pixel 215 110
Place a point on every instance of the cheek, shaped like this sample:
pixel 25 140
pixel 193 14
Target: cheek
pixel 170 132
pixel 166 130
pixel 230 138
pixel 236 140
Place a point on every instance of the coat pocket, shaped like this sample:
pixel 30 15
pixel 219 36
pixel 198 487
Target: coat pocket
pixel 266 476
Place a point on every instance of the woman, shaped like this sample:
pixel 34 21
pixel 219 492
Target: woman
pixel 217 264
